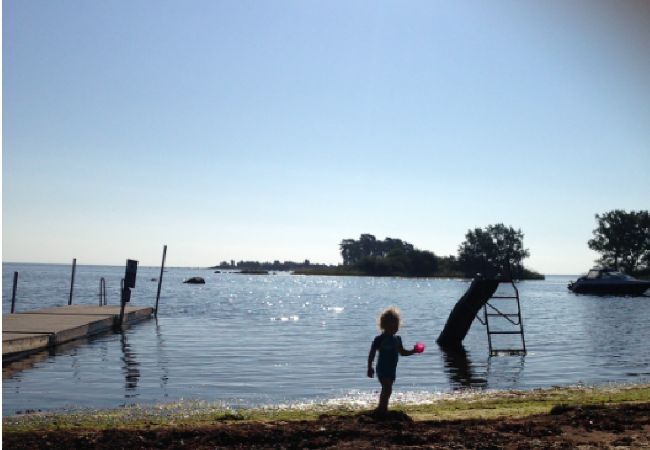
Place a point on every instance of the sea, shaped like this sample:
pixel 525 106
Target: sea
pixel 281 339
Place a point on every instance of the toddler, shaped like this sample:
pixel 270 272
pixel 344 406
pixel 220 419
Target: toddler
pixel 389 347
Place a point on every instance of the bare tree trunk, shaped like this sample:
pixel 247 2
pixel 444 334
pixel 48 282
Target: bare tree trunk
pixel 461 317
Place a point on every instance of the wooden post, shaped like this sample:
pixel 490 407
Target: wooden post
pixel 162 267
pixel 128 283
pixel 123 293
pixel 74 267
pixel 102 291
pixel 13 293
pixel 462 316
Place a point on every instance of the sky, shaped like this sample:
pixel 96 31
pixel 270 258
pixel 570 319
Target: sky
pixel 252 130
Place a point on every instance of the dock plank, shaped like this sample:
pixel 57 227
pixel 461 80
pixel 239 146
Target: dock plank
pixel 64 327
pixel 131 313
pixel 43 328
pixel 24 342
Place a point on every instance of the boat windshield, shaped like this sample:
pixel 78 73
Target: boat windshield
pixel 599 274
pixel 617 275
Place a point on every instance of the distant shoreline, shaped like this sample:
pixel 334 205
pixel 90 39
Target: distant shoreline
pixel 446 275
pixel 297 272
pixel 353 273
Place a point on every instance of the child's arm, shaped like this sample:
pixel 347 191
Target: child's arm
pixel 403 351
pixel 371 358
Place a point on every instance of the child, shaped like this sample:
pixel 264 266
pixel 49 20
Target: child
pixel 390 347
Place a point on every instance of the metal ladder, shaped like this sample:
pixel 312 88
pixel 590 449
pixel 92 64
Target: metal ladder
pixel 512 318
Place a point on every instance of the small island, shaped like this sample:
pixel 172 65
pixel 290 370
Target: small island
pixel 485 251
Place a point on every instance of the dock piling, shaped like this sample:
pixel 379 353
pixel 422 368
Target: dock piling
pixel 102 291
pixel 162 267
pixel 74 267
pixel 123 293
pixel 13 293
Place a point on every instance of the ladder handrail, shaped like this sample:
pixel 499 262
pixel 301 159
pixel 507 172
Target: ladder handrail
pixel 521 322
pixel 487 327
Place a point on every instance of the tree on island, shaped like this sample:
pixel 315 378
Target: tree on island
pixel 623 240
pixel 487 251
pixel 267 265
pixel 392 257
pixel 353 251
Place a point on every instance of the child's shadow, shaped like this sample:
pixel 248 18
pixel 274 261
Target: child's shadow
pixel 369 417
pixel 389 416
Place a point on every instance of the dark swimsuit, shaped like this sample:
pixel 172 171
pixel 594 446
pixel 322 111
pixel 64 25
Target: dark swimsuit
pixel 388 348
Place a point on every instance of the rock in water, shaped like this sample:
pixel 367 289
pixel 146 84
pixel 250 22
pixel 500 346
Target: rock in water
pixel 195 280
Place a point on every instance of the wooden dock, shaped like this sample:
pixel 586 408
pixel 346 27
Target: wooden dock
pixel 43 329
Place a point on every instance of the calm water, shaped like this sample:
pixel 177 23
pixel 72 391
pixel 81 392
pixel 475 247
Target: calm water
pixel 250 340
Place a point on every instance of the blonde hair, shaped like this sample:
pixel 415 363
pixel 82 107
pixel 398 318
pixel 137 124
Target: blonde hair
pixel 388 316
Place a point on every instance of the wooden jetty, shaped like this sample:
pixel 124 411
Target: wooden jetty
pixel 47 328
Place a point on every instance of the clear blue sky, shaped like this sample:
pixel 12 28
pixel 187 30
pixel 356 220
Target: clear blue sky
pixel 273 130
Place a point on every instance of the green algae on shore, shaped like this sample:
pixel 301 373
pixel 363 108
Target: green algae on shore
pixel 472 405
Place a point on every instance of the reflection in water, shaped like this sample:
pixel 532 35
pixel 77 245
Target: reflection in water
pixel 459 369
pixel 76 367
pixel 103 351
pixel 13 368
pixel 162 359
pixel 509 370
pixel 131 368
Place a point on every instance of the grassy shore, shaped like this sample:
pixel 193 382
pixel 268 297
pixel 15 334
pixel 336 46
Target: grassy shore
pixel 476 405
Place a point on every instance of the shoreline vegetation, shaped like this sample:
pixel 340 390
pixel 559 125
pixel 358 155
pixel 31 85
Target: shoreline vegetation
pixel 266 268
pixel 494 252
pixel 346 271
pixel 606 415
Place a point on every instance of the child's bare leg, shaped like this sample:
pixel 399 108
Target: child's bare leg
pixel 386 391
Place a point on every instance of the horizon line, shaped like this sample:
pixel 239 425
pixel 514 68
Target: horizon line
pixel 192 267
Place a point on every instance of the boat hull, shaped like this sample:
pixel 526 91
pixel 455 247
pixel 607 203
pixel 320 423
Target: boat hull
pixel 637 288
